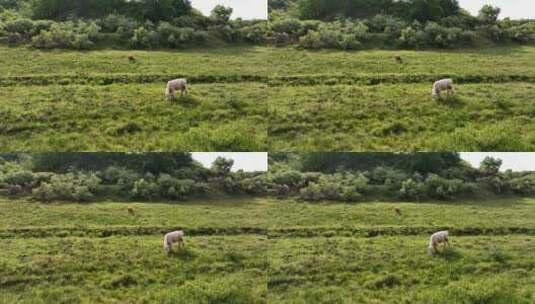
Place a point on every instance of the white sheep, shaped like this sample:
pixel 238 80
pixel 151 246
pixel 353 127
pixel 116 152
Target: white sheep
pixel 443 85
pixel 436 239
pixel 176 85
pixel 173 237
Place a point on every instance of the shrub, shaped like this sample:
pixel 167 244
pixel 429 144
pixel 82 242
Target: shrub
pixel 72 187
pixel 120 176
pixel 290 178
pixel 412 190
pixel 20 26
pixel 144 38
pixel 340 35
pixel 345 187
pixel 290 26
pixel 172 188
pixel 79 35
pixel 441 188
pixel 114 23
pixel 255 33
pixel 22 178
pixel 311 193
pixel 256 185
pixel 524 185
pixel 145 189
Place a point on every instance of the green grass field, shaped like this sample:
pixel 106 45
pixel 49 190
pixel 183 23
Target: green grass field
pixel 402 117
pixel 127 117
pixel 252 250
pixel 261 98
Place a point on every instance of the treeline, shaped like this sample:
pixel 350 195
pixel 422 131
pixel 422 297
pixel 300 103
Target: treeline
pixel 84 177
pixel 412 24
pixel 310 24
pixel 141 24
pixel 153 10
pixel 349 177
pixel 354 177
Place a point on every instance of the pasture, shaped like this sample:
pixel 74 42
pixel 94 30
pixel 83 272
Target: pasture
pixel 264 98
pixel 254 250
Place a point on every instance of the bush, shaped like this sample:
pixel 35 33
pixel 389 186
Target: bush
pixel 290 26
pixel 337 187
pixel 435 35
pixel 255 33
pixel 20 26
pixel 122 177
pixel 524 185
pixel 412 190
pixel 66 35
pixel 22 178
pixel 172 188
pixel 337 35
pixel 441 188
pixel 256 185
pixel 145 189
pixel 144 38
pixel 114 23
pixel 78 187
pixel 290 178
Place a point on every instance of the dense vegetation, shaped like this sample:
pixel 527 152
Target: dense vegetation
pixel 312 24
pixel 98 252
pixel 262 98
pixel 310 177
pixel 241 249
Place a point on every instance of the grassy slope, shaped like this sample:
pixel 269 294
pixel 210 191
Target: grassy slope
pixel 133 270
pixel 226 117
pixel 401 117
pixel 122 117
pixel 268 61
pixel 399 270
pixel 227 265
pixel 267 213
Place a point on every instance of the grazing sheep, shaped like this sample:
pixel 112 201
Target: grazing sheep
pixel 398 59
pixel 173 237
pixel 176 85
pixel 132 59
pixel 436 239
pixel 131 211
pixel 398 211
pixel 443 85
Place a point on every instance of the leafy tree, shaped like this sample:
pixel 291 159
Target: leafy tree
pixel 158 10
pixel 490 166
pixel 154 10
pixel 140 162
pixel 222 166
pixel 221 14
pixel 489 14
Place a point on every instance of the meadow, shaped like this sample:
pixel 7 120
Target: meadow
pixel 246 98
pixel 262 250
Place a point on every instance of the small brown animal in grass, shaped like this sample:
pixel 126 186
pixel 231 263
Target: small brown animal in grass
pixel 132 59
pixel 398 59
pixel 398 211
pixel 131 211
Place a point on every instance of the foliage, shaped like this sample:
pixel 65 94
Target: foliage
pixel 221 14
pixel 79 36
pixel 222 166
pixel 78 187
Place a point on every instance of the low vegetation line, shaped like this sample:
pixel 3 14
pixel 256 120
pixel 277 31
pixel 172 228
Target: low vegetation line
pixel 54 79
pixel 297 80
pixel 395 231
pixel 39 232
pixel 311 80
